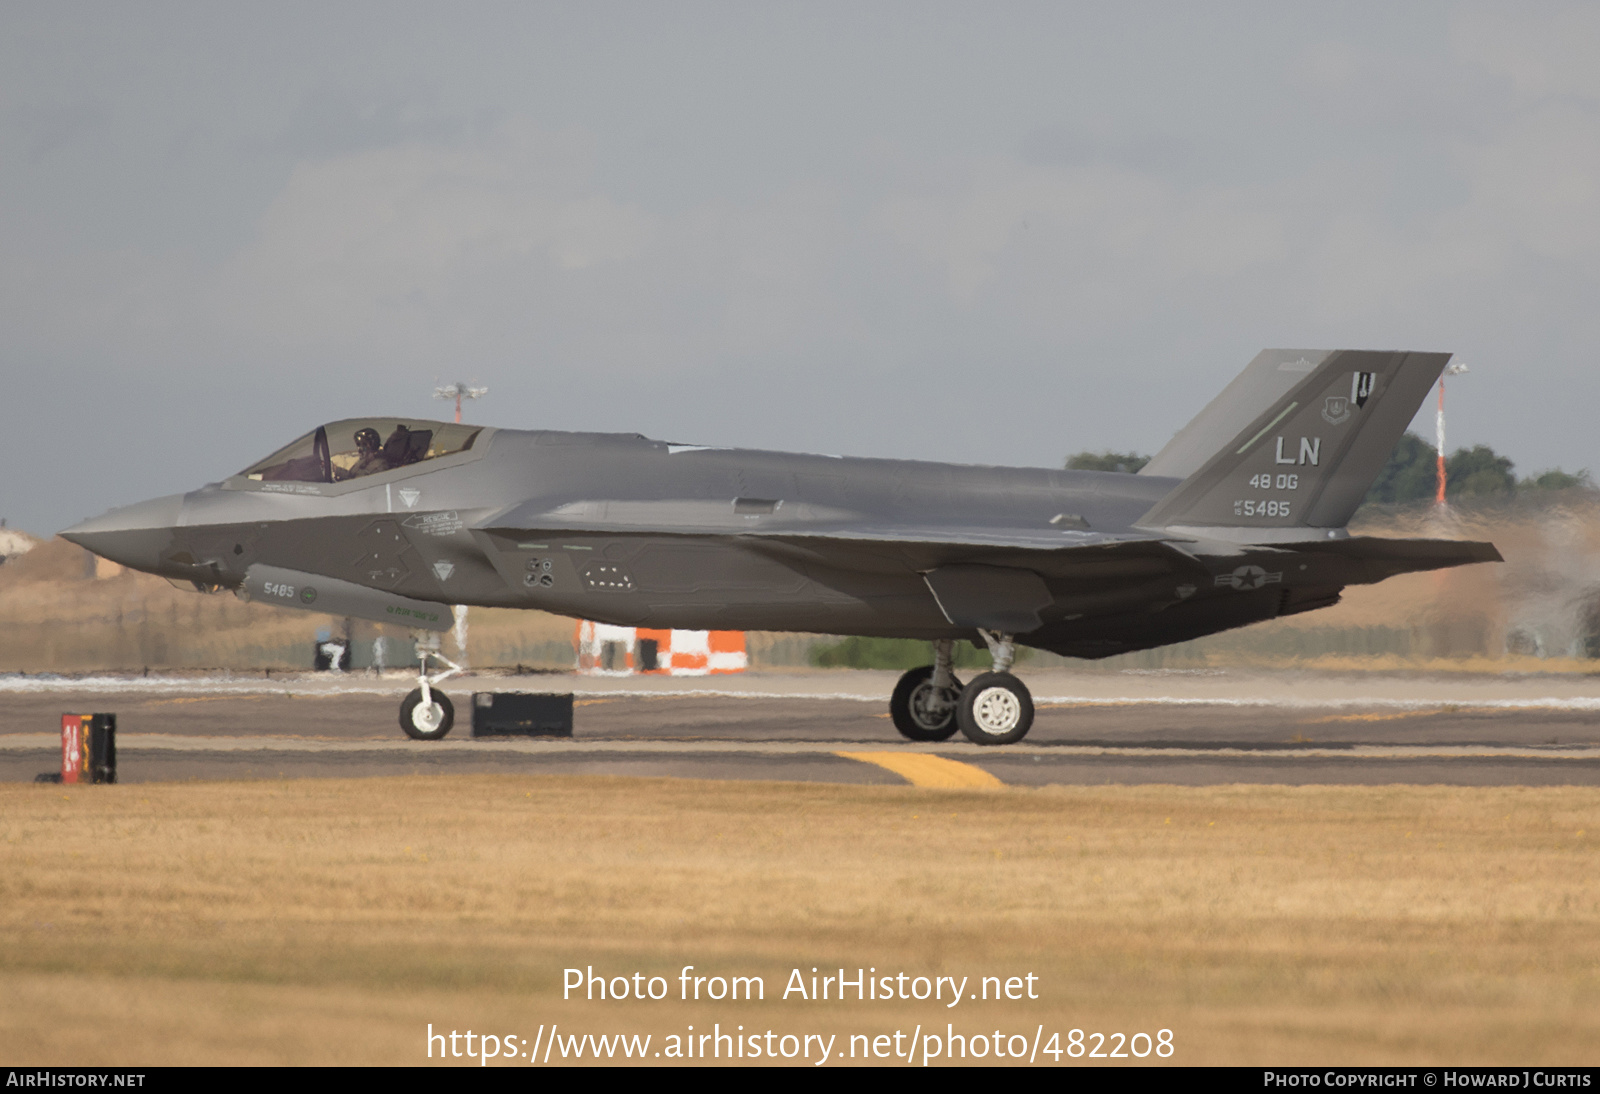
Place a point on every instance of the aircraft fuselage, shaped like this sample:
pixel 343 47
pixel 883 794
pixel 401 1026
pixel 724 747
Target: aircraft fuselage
pixel 428 532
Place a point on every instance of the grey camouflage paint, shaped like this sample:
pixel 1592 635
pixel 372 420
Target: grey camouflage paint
pixel 1240 519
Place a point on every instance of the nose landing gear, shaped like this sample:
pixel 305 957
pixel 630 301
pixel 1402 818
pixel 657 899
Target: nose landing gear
pixel 425 714
pixel 930 704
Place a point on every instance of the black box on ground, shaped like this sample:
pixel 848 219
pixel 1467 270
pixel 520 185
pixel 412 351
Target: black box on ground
pixel 509 713
pixel 102 757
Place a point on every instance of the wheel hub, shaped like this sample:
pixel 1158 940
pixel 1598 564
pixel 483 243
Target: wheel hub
pixel 427 716
pixel 996 711
pixel 932 707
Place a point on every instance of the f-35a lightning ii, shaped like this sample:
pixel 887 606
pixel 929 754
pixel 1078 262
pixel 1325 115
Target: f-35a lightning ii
pixel 1240 518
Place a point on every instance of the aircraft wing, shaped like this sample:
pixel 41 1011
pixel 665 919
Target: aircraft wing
pixel 810 533
pixel 1086 556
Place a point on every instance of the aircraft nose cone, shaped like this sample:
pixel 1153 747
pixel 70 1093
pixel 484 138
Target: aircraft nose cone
pixel 134 535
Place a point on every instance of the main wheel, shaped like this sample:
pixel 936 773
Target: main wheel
pixel 921 711
pixel 996 709
pixel 427 722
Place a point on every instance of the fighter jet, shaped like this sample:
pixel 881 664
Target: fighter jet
pixel 1240 518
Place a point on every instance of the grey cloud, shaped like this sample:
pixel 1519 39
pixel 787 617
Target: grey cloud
pixel 48 127
pixel 1074 146
pixel 1543 50
pixel 333 120
pixel 925 230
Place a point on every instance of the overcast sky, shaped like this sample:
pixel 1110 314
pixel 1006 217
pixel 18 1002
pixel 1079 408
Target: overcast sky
pixel 989 233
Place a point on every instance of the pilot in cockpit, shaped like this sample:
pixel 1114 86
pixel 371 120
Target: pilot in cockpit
pixel 369 455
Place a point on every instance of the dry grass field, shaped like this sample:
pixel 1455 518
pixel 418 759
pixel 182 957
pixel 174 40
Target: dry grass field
pixel 329 921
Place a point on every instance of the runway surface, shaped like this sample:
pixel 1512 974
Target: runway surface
pixel 1091 728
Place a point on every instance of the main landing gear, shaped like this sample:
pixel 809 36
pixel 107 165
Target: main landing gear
pixel 923 706
pixel 425 714
pixel 930 704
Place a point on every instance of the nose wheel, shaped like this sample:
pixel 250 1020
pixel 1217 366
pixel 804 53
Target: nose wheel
pixel 427 714
pixel 426 718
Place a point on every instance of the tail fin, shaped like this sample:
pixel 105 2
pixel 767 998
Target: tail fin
pixel 1295 442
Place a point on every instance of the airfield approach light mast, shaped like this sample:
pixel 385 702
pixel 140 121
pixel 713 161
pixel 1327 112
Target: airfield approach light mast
pixel 1456 368
pixel 459 391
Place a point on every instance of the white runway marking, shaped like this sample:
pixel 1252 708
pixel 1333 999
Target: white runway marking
pixel 1449 694
pixel 167 742
pixel 1450 705
pixel 390 685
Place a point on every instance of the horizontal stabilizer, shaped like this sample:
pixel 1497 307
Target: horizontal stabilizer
pixel 1381 558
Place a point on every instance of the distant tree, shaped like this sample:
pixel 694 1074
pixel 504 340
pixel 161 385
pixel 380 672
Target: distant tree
pixel 1558 479
pixel 1410 475
pixel 896 653
pixel 1478 471
pixel 1126 462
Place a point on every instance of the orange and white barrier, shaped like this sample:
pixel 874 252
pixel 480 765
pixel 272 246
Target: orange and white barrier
pixel 604 650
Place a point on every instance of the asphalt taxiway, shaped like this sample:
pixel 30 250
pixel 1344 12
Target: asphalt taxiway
pixel 1091 728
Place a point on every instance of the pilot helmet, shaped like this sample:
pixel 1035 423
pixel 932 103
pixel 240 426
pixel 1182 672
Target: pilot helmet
pixel 367 440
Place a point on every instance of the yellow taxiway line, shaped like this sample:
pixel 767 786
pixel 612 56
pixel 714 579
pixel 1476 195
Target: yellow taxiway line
pixel 1384 716
pixel 922 769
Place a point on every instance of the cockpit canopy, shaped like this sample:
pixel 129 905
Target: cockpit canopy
pixel 357 447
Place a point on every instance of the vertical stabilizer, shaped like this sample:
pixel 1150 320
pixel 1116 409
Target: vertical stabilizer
pixel 1295 442
pixel 1261 385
